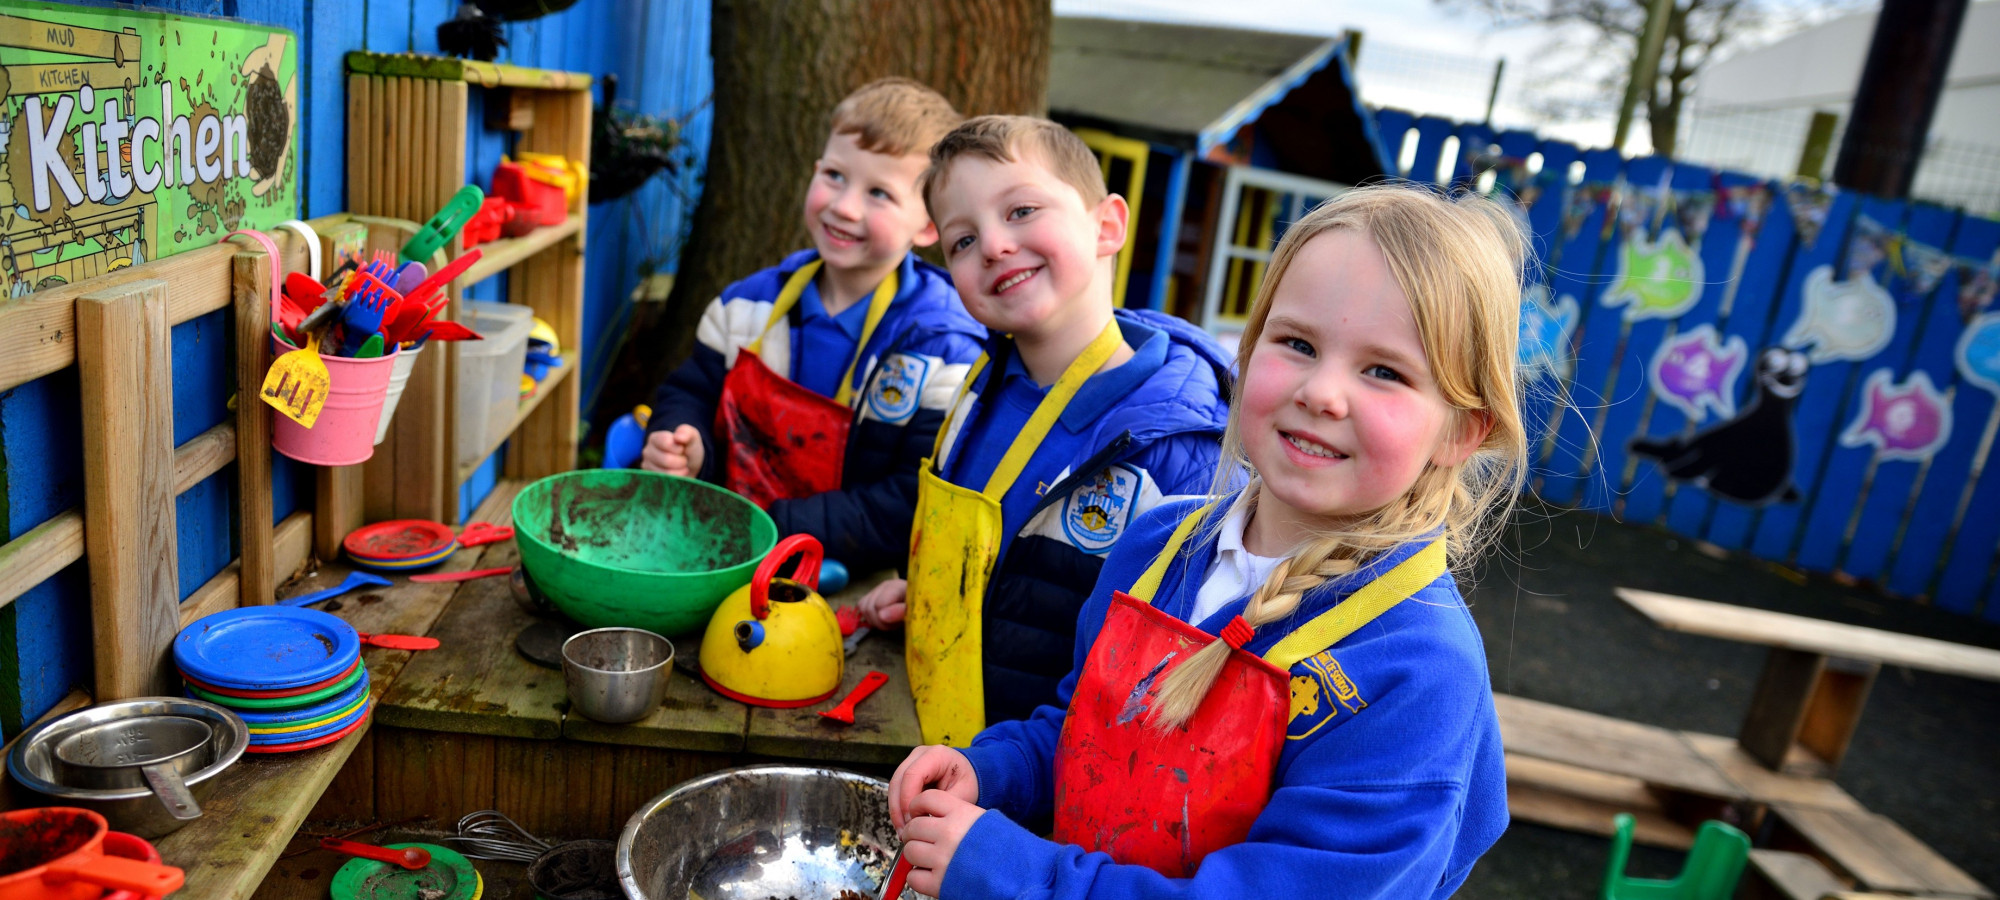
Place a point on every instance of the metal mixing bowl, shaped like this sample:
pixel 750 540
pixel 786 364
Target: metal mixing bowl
pixel 761 832
pixel 132 810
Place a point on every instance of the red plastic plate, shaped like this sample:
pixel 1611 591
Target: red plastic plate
pixel 399 539
pixel 270 695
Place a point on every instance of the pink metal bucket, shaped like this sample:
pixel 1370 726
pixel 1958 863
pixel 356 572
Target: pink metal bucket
pixel 344 434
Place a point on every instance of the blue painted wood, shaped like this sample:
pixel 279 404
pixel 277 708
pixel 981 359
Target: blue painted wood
pixel 204 539
pixel 1626 393
pixel 1431 132
pixel 1390 127
pixel 385 26
pixel 1969 564
pixel 1749 318
pixel 204 374
pixel 1728 528
pixel 425 17
pixel 333 27
pixel 1646 494
pixel 1473 140
pixel 1540 397
pixel 1937 510
pixel 47 630
pixel 1817 419
pixel 1848 468
pixel 1584 273
pixel 1895 490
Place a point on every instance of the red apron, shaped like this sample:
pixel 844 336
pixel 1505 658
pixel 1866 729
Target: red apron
pixel 782 441
pixel 1165 801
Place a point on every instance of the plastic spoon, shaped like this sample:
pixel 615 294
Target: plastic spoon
pixel 352 581
pixel 898 874
pixel 462 576
pixel 412 858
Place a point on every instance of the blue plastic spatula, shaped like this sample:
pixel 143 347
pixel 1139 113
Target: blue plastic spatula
pixel 353 580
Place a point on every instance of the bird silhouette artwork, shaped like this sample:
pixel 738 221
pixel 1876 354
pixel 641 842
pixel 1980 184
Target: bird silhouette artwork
pixel 1747 459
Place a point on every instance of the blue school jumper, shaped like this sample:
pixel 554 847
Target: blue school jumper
pixel 906 376
pixel 1391 784
pixel 1131 438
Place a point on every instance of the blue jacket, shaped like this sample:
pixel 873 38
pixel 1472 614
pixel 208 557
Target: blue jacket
pixel 911 369
pixel 1391 783
pixel 1117 453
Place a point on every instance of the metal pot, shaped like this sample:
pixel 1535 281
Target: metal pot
pixel 758 832
pixel 154 752
pixel 136 811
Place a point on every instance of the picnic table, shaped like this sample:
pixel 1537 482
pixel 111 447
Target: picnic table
pixel 1816 677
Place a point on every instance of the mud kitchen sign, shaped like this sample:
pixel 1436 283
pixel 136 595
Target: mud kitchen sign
pixel 127 136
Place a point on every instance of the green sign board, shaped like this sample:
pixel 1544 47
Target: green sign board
pixel 127 136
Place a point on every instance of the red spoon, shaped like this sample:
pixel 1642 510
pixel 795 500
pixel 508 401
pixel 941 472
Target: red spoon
pixel 398 641
pixel 408 857
pixel 844 711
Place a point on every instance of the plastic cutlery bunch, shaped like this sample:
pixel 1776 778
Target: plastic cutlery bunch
pixel 364 313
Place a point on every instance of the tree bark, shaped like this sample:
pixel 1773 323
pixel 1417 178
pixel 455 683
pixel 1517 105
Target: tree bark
pixel 780 67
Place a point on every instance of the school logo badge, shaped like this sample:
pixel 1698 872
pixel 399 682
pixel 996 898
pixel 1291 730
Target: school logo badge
pixel 1320 694
pixel 1095 513
pixel 899 383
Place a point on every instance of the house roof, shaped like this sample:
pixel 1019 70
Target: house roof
pixel 1195 86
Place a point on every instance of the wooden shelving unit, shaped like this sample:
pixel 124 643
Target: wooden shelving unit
pixel 407 136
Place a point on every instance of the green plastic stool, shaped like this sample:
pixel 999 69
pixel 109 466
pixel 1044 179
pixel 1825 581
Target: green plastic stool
pixel 1710 873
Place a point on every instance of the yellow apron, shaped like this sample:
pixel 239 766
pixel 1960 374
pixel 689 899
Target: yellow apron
pixel 954 544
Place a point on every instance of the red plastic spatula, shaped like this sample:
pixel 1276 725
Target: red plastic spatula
pixel 398 641
pixel 844 711
pixel 409 857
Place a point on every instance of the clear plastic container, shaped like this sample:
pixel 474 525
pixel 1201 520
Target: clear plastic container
pixel 489 375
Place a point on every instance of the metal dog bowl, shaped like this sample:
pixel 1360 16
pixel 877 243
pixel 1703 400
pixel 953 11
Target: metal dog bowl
pixel 761 832
pixel 33 765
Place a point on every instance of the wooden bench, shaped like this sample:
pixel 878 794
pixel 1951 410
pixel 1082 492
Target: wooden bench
pixel 1784 875
pixel 1817 677
pixel 1870 850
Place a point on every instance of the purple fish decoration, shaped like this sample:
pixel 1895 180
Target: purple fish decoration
pixel 1904 421
pixel 1696 371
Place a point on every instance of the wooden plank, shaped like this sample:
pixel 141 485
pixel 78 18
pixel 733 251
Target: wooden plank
pixel 1654 755
pixel 1778 706
pixel 1756 626
pixel 126 368
pixel 350 797
pixel 691 718
pixel 1834 710
pixel 476 683
pixel 290 548
pixel 1873 851
pixel 424 773
pixel 338 504
pixel 1587 259
pixel 250 817
pixel 1764 785
pixel 361 169
pixel 484 74
pixel 251 290
pixel 643 773
pixel 46 549
pixel 885 725
pixel 38 332
pixel 203 455
pixel 557 790
pixel 498 256
pixel 1792 876
pixel 292 544
pixel 1542 807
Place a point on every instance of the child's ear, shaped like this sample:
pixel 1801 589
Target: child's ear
pixel 928 236
pixel 1112 220
pixel 1471 429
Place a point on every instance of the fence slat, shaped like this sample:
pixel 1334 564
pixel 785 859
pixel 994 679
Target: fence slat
pixel 1849 469
pixel 126 373
pixel 1938 507
pixel 1431 134
pixel 1391 126
pixel 1584 275
pixel 251 286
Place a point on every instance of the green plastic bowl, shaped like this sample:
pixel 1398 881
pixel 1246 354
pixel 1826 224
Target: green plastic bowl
pixel 633 549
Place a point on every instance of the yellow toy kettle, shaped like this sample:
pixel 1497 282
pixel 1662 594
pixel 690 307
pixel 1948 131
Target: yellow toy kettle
pixel 774 642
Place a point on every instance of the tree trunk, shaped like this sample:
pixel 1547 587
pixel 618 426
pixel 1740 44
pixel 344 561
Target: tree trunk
pixel 780 66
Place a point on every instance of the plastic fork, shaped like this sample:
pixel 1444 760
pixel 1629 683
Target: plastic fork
pixel 366 304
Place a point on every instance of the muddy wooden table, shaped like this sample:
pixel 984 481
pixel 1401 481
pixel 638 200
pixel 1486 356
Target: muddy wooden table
pixel 1816 678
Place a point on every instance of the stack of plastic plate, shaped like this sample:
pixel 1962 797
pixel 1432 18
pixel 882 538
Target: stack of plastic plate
pixel 295 675
pixel 400 545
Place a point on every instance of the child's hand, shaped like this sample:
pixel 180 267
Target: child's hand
pixel 882 608
pixel 927 768
pixel 938 822
pixel 676 452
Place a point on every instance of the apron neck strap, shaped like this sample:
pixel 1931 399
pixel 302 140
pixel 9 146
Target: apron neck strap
pixel 795 286
pixel 1079 371
pixel 1330 627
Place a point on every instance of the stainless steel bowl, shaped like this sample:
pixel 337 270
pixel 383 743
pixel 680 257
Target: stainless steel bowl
pixel 154 752
pixel 137 811
pixel 616 675
pixel 761 832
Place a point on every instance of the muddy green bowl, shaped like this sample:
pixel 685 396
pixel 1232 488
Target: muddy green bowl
pixel 632 549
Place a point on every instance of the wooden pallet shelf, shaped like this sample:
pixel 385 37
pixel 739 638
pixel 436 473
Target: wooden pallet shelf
pixel 498 256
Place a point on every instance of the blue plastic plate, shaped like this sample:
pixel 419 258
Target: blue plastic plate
pixel 286 717
pixel 293 737
pixel 266 648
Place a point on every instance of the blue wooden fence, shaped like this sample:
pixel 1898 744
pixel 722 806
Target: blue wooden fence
pixel 658 49
pixel 1890 303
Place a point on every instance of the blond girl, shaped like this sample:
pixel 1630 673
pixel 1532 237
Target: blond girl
pixel 1279 692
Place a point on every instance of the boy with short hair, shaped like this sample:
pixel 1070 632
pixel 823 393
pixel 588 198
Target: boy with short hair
pixel 1079 418
pixel 817 386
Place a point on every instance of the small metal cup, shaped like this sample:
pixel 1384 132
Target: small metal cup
pixel 154 752
pixel 616 675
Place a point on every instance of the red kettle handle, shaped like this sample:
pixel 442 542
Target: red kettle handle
pixel 806 574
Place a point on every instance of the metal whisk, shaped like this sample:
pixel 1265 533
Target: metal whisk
pixel 488 834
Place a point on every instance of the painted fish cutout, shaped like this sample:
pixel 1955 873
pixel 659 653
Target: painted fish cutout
pixel 1978 353
pixel 1695 372
pixel 1747 459
pixel 1543 345
pixel 1659 279
pixel 1904 421
pixel 1842 320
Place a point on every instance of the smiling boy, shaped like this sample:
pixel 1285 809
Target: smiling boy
pixel 818 385
pixel 1078 418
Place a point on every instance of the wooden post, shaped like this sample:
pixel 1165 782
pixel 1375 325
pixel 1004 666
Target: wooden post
pixel 1645 68
pixel 1899 90
pixel 1493 94
pixel 1779 705
pixel 251 291
pixel 124 360
pixel 1819 139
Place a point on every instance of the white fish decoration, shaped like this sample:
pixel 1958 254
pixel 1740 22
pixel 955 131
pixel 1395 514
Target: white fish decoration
pixel 1842 320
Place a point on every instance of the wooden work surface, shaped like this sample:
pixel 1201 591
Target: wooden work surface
pixel 1774 629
